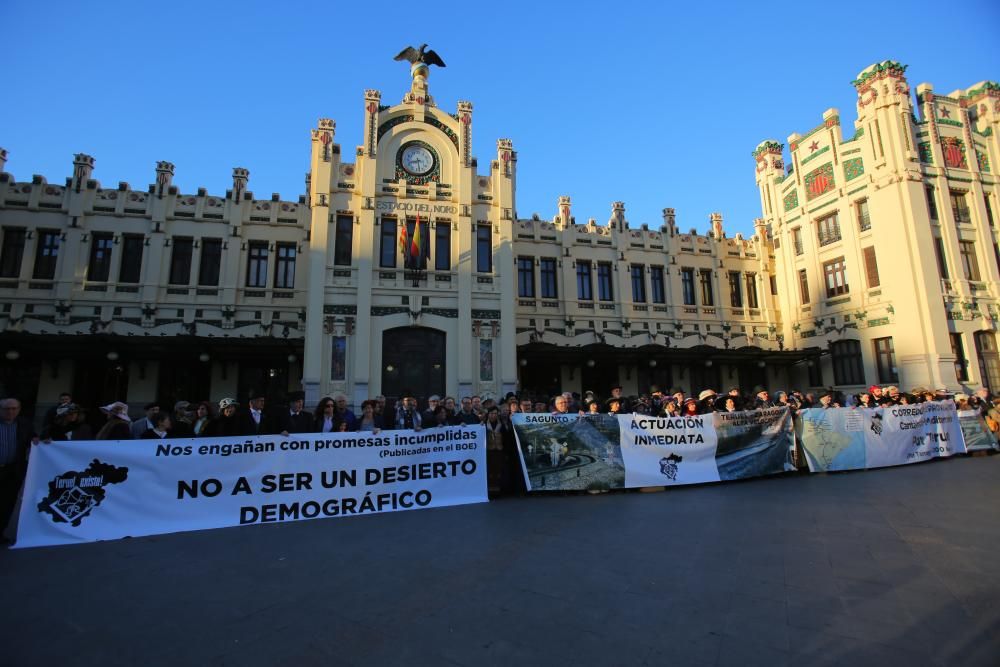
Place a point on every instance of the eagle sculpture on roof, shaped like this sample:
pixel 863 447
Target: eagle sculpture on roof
pixel 421 55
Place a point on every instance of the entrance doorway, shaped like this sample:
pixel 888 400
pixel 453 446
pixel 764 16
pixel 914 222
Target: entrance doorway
pixel 413 360
pixel 989 360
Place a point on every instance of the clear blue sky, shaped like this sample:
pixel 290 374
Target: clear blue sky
pixel 654 106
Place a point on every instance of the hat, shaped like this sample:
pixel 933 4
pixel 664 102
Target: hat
pixel 150 406
pixel 434 397
pixel 961 397
pixel 296 396
pixel 181 405
pixel 615 386
pixel 65 409
pixel 254 393
pixel 227 402
pixel 891 387
pixel 705 393
pixel 919 390
pixel 690 399
pixel 759 390
pixel 872 389
pixel 117 409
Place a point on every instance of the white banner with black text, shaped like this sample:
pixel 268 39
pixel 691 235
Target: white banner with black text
pixel 104 490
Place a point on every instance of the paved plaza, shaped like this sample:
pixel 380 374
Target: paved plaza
pixel 895 566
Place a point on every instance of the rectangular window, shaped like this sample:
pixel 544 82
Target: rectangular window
pixel 961 363
pixel 835 275
pixel 130 270
pixel 989 208
pixel 864 221
pixel 735 290
pixel 774 284
pixel 638 284
pixel 687 287
pixel 804 286
pixel 99 267
pixel 442 246
pixel 526 277
pixel 484 249
pixel 604 289
pixel 970 266
pixel 657 285
pixel 46 254
pixel 996 254
pixel 210 263
pixel 387 244
pixel 584 284
pixel 871 266
pixel 797 240
pixel 847 367
pixel 180 261
pixel 705 279
pixel 257 264
pixel 284 266
pixel 885 360
pixel 343 240
pixel 959 207
pixel 550 285
pixel 12 252
pixel 939 254
pixel 932 211
pixel 752 291
pixel 828 229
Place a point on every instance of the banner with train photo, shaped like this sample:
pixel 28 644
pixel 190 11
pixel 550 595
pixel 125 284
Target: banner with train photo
pixel 602 452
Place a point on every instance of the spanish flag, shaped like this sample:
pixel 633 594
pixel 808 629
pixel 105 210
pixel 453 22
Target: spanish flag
pixel 415 245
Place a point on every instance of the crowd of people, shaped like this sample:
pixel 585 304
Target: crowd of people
pixel 229 418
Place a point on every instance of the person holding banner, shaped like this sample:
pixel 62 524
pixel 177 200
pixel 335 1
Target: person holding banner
pixel 161 427
pixel 16 437
pixel 326 418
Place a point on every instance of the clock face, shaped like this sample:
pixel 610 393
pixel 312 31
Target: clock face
pixel 417 160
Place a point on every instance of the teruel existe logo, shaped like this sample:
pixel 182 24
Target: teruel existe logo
pixel 73 495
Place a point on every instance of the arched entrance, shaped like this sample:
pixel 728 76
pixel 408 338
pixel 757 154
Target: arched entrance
pixel 413 360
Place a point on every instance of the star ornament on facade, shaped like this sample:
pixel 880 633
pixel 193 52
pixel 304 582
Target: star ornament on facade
pixel 813 147
pixel 945 112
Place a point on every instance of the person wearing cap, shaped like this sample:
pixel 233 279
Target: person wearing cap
pixel 182 426
pixel 706 401
pixel 826 400
pixel 762 399
pixel 876 392
pixel 294 419
pixel 893 393
pixel 962 401
pixel 690 407
pixel 427 416
pixel 616 395
pixel 140 426
pixel 227 422
pixel 68 424
pixel 117 426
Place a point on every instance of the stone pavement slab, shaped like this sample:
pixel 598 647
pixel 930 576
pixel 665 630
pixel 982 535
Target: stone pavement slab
pixel 875 567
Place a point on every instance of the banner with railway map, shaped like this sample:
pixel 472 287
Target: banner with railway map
pixel 102 490
pixel 858 438
pixel 599 452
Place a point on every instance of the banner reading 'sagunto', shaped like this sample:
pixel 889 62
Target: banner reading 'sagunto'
pixel 103 490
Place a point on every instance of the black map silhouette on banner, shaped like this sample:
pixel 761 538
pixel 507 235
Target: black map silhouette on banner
pixel 73 495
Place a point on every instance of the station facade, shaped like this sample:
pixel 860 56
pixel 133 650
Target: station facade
pixel 405 267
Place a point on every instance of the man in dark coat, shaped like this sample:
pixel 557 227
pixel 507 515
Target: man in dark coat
pixel 16 436
pixel 294 419
pixel 252 420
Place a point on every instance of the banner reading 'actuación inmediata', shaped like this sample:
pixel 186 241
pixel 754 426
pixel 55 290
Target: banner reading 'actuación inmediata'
pixel 103 490
pixel 599 452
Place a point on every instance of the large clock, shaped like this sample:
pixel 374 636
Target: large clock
pixel 416 159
